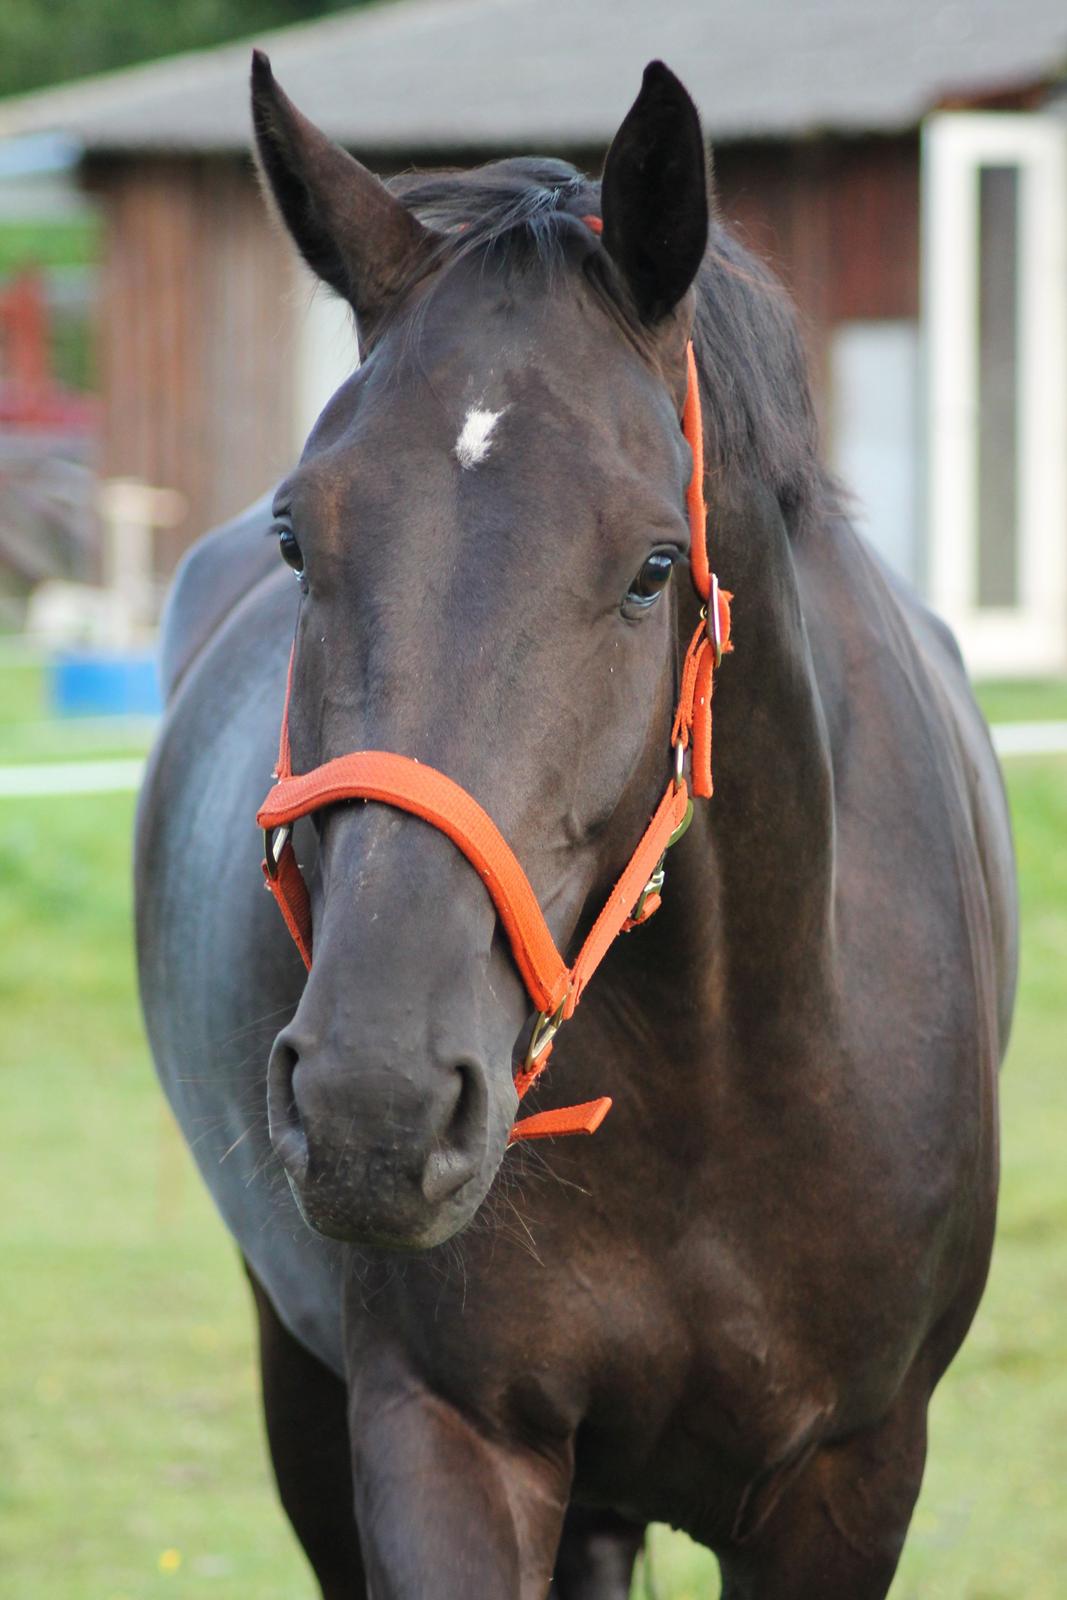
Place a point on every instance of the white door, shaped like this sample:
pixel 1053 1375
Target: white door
pixel 994 261
pixel 326 351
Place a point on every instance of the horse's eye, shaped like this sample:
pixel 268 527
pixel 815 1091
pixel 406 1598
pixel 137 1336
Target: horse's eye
pixel 651 580
pixel 292 554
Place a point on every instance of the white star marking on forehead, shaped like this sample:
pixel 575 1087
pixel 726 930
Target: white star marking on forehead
pixel 476 435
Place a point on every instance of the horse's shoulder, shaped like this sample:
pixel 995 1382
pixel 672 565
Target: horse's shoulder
pixel 932 633
pixel 942 736
pixel 895 622
pixel 946 693
pixel 214 575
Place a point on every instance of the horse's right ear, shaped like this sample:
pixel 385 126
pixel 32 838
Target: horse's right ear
pixel 350 230
pixel 654 195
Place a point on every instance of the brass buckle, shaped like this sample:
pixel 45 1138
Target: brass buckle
pixel 653 886
pixel 545 1028
pixel 681 829
pixel 659 874
pixel 274 842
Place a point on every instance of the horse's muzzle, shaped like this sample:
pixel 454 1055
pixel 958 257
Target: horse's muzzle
pixel 380 1155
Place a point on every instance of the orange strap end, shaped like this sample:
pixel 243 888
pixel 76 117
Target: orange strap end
pixel 585 1118
pixel 649 909
pixel 291 896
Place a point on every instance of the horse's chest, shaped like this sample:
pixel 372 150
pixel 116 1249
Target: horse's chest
pixel 697 1391
pixel 687 1437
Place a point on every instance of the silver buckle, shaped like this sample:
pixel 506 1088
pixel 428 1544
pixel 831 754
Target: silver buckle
pixel 274 842
pixel 711 612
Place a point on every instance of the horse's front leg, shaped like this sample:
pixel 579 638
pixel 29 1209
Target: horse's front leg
pixel 837 1532
pixel 445 1512
pixel 596 1556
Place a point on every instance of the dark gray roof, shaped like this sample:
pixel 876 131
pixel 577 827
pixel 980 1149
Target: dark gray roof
pixel 426 75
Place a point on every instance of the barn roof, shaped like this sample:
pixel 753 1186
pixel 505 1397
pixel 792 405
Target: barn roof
pixel 450 75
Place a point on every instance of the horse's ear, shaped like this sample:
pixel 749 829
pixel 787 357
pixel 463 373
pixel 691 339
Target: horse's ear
pixel 654 194
pixel 350 230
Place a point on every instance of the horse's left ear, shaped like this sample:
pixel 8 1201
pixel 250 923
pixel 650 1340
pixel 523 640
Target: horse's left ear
pixel 654 195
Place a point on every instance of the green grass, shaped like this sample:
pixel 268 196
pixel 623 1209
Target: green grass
pixel 131 1460
pixel 30 732
pixel 1025 701
pixel 128 1421
pixel 71 242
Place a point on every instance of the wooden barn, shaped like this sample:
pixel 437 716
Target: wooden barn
pixel 903 167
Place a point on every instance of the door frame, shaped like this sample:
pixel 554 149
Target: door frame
pixel 1030 637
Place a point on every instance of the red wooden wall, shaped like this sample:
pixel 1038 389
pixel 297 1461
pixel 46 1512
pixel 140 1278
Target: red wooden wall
pixel 195 336
pixel 839 223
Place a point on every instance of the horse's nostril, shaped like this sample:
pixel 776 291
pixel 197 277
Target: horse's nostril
pixel 460 1146
pixel 351 1138
pixel 283 1114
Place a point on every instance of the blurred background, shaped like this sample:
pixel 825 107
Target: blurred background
pixel 162 356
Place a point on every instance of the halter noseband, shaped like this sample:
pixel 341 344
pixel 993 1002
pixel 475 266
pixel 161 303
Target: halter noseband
pixel 399 781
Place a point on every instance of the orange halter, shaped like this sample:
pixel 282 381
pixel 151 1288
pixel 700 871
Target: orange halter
pixel 396 780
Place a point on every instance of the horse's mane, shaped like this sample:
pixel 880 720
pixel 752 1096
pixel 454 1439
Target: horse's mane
pixel 758 411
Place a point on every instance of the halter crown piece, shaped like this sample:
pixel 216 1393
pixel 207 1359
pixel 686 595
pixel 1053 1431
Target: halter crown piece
pixel 396 780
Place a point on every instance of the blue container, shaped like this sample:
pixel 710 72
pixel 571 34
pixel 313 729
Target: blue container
pixel 91 683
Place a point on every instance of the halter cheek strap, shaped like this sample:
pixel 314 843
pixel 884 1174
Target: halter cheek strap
pixel 400 781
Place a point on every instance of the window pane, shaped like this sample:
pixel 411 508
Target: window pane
pixel 874 374
pixel 998 201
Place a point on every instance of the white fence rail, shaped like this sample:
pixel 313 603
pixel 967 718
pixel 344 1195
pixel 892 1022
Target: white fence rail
pixel 42 779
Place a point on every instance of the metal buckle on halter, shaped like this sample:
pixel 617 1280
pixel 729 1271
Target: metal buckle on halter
pixel 653 886
pixel 679 779
pixel 710 613
pixel 659 874
pixel 546 1026
pixel 274 842
pixel 680 830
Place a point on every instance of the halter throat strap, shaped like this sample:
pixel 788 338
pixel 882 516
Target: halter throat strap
pixel 397 780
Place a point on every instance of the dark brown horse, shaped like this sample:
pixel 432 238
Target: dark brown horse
pixel 728 1309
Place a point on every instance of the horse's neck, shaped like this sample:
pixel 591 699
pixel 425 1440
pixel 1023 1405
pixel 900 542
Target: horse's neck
pixel 748 907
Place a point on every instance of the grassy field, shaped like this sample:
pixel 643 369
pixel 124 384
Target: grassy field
pixel 68 243
pixel 131 1459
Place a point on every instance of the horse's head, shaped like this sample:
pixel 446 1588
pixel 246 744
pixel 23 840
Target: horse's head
pixel 483 525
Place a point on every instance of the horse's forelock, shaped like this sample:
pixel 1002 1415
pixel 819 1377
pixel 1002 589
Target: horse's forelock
pixel 757 396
